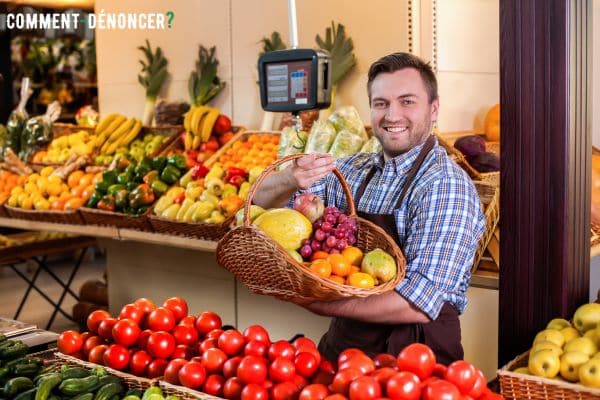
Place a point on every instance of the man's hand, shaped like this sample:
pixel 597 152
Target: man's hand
pixel 311 168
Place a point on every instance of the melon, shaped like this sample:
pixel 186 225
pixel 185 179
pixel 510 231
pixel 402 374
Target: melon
pixel 491 124
pixel 287 227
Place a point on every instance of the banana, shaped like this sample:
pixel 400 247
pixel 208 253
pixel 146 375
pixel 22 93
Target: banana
pixel 122 130
pixel 104 122
pixel 188 119
pixel 208 123
pixel 188 140
pixel 196 142
pixel 104 135
pixel 126 139
pixel 199 113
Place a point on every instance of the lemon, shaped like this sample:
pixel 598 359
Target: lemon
pixel 12 201
pixel 54 179
pixel 41 204
pixel 42 184
pixel 54 189
pixel 16 190
pixel 33 177
pixel 46 171
pixel 31 187
pixel 21 198
pixel 27 204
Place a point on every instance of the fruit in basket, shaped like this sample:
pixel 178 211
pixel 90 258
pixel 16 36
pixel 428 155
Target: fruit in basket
pixel 558 324
pixel 589 373
pixel 491 124
pixel 586 317
pixel 310 205
pixel 570 363
pixel 332 233
pixel 287 227
pixel 544 363
pixel 380 265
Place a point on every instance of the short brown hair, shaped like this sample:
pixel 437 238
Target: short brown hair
pixel 397 61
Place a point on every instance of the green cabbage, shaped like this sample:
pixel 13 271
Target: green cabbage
pixel 347 118
pixel 320 138
pixel 346 143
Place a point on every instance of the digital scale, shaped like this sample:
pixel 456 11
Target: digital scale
pixel 297 79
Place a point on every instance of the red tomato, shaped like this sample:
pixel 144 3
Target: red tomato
pixel 183 351
pixel 364 388
pixel 139 363
pixel 207 321
pixel 213 360
pixel 85 336
pixel 142 341
pixel 231 342
pixel 361 362
pixel 300 382
pixel 267 384
pixel 341 380
pixel 254 391
pixel 94 319
pixel 439 371
pixel 231 366
pixel 189 320
pixel 282 370
pixel 404 386
pixel 316 391
pixel 105 328
pixel 132 312
pixel 440 390
pixel 161 344
pixel 185 334
pixel 232 389
pixel 205 345
pixel 157 368
pixel 383 375
pixel 213 385
pixel 302 342
pixel 284 391
pixel 305 348
pixel 256 348
pixel 214 334
pixel 324 378
pixel 96 355
pixel 70 342
pixel 178 306
pixel 252 369
pixel 172 370
pixel 479 386
pixel 90 343
pixel 385 360
pixel 145 304
pixel 116 356
pixel 462 374
pixel 281 348
pixel 126 332
pixel 306 364
pixel 418 359
pixel 192 375
pixel 337 396
pixel 161 319
pixel 222 125
pixel 327 366
pixel 348 354
pixel 258 333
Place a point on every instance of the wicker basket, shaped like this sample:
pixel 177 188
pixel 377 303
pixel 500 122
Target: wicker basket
pixel 132 381
pixel 93 216
pixel 490 198
pixel 189 229
pixel 184 393
pixel 52 216
pixel 520 386
pixel 3 212
pixel 272 271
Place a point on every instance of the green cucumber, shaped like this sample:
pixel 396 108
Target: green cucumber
pixel 107 391
pixel 106 379
pixel 28 370
pixel 135 392
pixel 74 372
pixel 84 396
pixel 26 395
pixel 17 385
pixel 75 386
pixel 46 385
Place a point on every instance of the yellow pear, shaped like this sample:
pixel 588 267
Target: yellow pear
pixel 546 345
pixel 583 345
pixel 558 324
pixel 569 333
pixel 570 363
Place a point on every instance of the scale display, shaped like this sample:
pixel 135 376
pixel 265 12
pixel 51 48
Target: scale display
pixel 288 82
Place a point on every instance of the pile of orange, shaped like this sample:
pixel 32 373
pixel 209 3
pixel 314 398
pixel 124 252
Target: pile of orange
pixel 8 181
pixel 259 150
pixel 343 268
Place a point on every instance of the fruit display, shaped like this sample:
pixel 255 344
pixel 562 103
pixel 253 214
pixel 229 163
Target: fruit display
pixel 37 132
pixel 114 131
pixel 61 148
pixel 257 150
pixel 21 239
pixel 131 188
pixel 48 191
pixel 473 147
pixel 199 123
pixel 147 146
pixel 568 351
pixel 8 181
pixel 195 351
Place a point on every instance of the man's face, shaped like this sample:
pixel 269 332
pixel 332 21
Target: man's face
pixel 401 115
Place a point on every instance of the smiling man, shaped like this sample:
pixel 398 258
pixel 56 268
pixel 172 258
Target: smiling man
pixel 420 197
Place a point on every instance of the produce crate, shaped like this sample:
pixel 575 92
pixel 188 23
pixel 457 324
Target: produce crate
pixel 61 129
pixel 489 194
pixel 52 216
pixel 132 381
pixel 3 212
pixel 176 146
pixel 516 386
pixel 184 393
pixel 93 216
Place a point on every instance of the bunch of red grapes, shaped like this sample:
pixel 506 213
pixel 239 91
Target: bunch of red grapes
pixel 332 233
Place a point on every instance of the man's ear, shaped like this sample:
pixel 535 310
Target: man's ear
pixel 435 106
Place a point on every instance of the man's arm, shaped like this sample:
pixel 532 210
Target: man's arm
pixel 278 187
pixel 386 308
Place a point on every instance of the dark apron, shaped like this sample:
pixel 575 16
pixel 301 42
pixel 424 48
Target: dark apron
pixel 442 334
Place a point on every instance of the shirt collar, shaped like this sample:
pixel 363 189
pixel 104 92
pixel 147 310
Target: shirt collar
pixel 401 163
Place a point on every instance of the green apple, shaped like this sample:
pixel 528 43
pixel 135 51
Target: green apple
pixel 558 324
pixel 551 335
pixel 583 345
pixel 569 333
pixel 522 370
pixel 295 255
pixel 546 345
pixel 380 265
pixel 544 363
pixel 589 373
pixel 570 363
pixel 586 317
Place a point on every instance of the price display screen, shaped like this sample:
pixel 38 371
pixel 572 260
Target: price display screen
pixel 288 82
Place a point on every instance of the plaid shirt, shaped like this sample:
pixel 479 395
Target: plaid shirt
pixel 439 222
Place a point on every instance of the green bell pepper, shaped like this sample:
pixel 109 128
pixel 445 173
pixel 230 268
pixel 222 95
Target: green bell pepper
pixel 122 199
pixel 159 187
pixel 94 199
pixel 102 186
pixel 158 163
pixel 151 176
pixel 170 174
pixel 177 160
pixel 141 196
pixel 113 189
pixel 124 177
pixel 110 177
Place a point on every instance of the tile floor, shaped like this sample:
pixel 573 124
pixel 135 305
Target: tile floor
pixel 37 310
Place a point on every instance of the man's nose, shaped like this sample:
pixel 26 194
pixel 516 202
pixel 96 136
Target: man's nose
pixel 394 112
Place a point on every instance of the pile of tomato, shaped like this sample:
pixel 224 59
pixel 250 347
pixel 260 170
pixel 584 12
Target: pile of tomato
pixel 195 352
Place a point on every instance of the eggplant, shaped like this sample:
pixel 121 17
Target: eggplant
pixel 486 162
pixel 471 146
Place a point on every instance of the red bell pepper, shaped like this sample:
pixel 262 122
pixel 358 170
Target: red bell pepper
pixel 236 180
pixel 199 171
pixel 179 199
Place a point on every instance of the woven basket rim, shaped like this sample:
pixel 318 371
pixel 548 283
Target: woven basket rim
pixel 575 387
pixel 56 212
pixel 85 209
pixel 186 391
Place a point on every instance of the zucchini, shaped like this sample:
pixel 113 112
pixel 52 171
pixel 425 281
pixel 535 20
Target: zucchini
pixel 26 395
pixel 106 379
pixel 74 372
pixel 75 386
pixel 84 396
pixel 17 385
pixel 46 385
pixel 107 391
pixel 28 370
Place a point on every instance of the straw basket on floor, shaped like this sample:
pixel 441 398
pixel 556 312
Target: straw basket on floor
pixel 266 268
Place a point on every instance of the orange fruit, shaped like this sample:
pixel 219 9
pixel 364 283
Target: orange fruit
pixel 77 190
pixel 321 267
pixel 97 177
pixel 86 179
pixel 361 280
pixel 73 179
pixel 87 192
pixel 338 279
pixel 354 255
pixel 57 204
pixel 319 254
pixel 339 265
pixel 353 269
pixel 73 203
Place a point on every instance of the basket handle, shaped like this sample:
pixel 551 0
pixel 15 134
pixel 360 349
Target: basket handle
pixel 283 160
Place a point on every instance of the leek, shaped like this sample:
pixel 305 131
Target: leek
pixel 152 77
pixel 204 83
